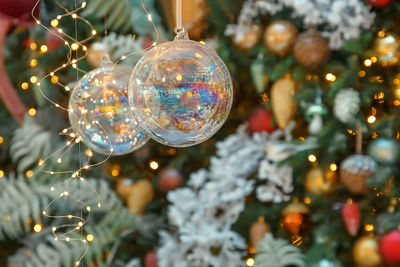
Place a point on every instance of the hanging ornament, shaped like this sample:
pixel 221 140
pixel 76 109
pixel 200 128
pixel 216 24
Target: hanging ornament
pixel 194 13
pixel 181 92
pixel 355 171
pixel 294 217
pixel 351 215
pixel 379 3
pixel 169 179
pixel 257 231
pixel 366 252
pixel 390 247
pixel 99 112
pixel 346 105
pixel 19 11
pixel 385 151
pixel 141 194
pixel 318 182
pixel 151 259
pixel 250 39
pixel 314 114
pixel 311 49
pixel 279 36
pixel 261 121
pixel 387 49
pixel 53 40
pixel 258 76
pixel 283 103
pixel 95 54
pixel 123 188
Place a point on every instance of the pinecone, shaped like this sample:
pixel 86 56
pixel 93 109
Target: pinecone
pixel 346 104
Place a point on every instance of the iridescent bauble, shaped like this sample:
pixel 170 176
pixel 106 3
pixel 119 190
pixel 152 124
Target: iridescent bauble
pixel 99 112
pixel 384 151
pixel 279 36
pixel 181 92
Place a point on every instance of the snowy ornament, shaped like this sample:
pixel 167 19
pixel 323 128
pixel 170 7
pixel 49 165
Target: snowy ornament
pixel 99 112
pixel 346 105
pixel 181 92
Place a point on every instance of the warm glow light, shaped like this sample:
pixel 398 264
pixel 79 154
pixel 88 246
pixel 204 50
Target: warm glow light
pixel 29 173
pixel 37 228
pixel 43 48
pixel 94 32
pixel 374 59
pixel 371 119
pixel 361 73
pixel 54 79
pixel 368 62
pixel 54 22
pixel 1 173
pixel 307 200
pixel 369 227
pixel 32 112
pixel 33 62
pixel 312 158
pixel 333 167
pixel 330 77
pixel 25 86
pixel 33 46
pixel 250 262
pixel 75 46
pixel 33 79
pixel 1 139
pixel 88 152
pixel 89 237
pixel 115 172
pixel 154 165
pixel 396 102
pixel 179 77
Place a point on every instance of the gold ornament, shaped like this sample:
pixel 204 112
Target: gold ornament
pixel 257 231
pixel 95 54
pixel 279 36
pixel 194 13
pixel 366 252
pixel 387 49
pixel 294 216
pixel 123 188
pixel 318 182
pixel 141 194
pixel 355 171
pixel 282 99
pixel 250 39
pixel 311 49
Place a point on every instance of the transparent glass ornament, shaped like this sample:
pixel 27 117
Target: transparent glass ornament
pixel 99 111
pixel 180 92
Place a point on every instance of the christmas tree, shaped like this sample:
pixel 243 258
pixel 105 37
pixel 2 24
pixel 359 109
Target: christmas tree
pixel 302 173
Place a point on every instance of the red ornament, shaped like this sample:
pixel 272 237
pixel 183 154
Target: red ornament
pixel 151 259
pixel 53 40
pixel 147 42
pixel 390 247
pixel 169 179
pixel 352 217
pixel 379 3
pixel 261 121
pixel 19 11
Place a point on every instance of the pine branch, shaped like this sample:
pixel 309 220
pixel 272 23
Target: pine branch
pixel 277 253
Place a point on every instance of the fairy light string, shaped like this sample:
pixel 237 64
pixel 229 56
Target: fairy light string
pixel 73 223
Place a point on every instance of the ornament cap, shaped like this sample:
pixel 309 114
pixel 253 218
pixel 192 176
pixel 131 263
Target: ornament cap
pixel 106 61
pixel 181 33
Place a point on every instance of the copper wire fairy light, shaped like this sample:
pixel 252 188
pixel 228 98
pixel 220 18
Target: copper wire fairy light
pixel 77 222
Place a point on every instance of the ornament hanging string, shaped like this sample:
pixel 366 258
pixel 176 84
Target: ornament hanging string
pixel 178 27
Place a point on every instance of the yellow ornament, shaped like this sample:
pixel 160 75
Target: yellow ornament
pixel 387 49
pixel 283 102
pixel 194 13
pixel 279 36
pixel 141 194
pixel 95 54
pixel 318 182
pixel 250 39
pixel 295 216
pixel 366 252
